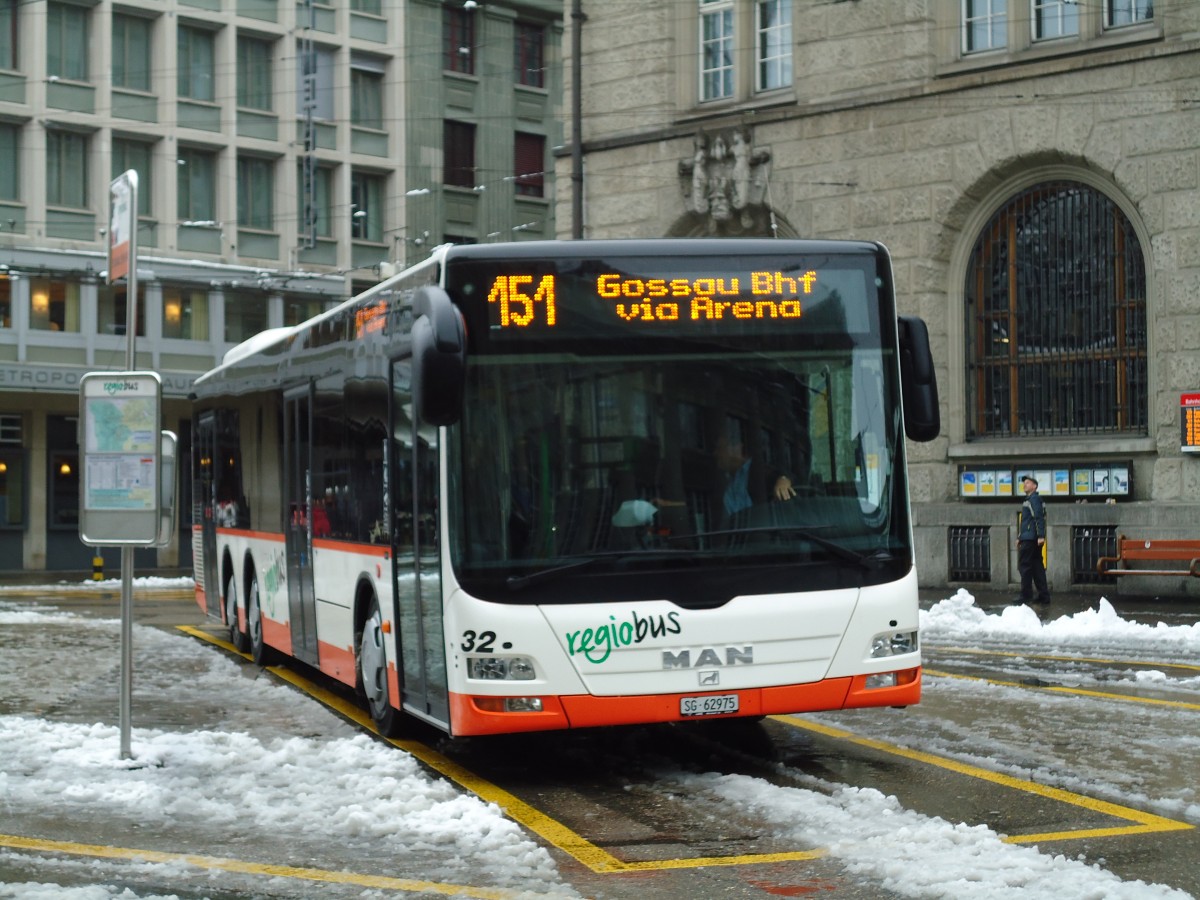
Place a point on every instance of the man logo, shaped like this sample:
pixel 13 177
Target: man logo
pixel 710 678
pixel 708 657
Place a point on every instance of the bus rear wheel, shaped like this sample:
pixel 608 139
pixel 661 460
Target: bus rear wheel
pixel 261 653
pixel 237 637
pixel 373 673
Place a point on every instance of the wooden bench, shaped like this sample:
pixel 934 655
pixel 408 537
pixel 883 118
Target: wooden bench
pixel 1151 550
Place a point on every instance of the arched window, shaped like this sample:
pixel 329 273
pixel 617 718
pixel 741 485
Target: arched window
pixel 1056 318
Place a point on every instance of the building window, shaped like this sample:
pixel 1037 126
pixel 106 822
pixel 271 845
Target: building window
pixel 112 310
pixel 197 194
pixel 128 154
pixel 716 49
pixel 323 64
pixel 458 41
pixel 66 169
pixel 530 155
pixel 321 200
pixel 5 301
pixel 131 52
pixel 12 485
pixel 366 203
pixel 1055 19
pixel 254 78
pixel 54 305
pixel 8 35
pixel 67 41
pixel 1127 12
pixel 371 7
pixel 245 315
pixel 256 193
pixel 10 174
pixel 185 314
pixel 984 25
pixel 366 93
pixel 196 64
pixel 774 54
pixel 458 150
pixel 301 309
pixel 62 471
pixel 1056 318
pixel 529 54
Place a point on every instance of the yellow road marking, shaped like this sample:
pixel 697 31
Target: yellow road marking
pixel 1147 822
pixel 1156 664
pixel 570 842
pixel 1059 689
pixel 248 868
pixel 603 862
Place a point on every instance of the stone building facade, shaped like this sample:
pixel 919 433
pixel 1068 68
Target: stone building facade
pixel 1034 170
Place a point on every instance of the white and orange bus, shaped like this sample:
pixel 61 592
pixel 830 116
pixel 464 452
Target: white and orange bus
pixel 554 485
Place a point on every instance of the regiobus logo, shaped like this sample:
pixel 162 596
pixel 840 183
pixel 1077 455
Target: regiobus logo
pixel 121 387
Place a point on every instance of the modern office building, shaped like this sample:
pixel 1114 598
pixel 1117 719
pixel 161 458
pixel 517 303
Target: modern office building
pixel 286 154
pixel 1033 167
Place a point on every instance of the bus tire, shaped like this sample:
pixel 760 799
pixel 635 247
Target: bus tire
pixel 237 637
pixel 262 654
pixel 373 673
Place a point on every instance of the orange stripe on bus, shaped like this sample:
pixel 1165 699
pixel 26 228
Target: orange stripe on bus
pixel 585 711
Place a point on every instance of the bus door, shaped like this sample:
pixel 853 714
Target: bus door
pixel 415 498
pixel 297 492
pixel 204 458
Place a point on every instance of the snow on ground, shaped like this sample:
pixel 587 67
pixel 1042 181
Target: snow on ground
pixel 306 773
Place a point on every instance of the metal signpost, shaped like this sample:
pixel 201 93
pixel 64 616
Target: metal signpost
pixel 121 438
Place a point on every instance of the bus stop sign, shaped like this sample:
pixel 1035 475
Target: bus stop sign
pixel 120 421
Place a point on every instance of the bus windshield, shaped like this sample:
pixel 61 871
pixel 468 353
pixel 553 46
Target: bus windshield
pixel 693 465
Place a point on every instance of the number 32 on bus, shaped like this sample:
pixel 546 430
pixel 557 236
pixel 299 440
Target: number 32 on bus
pixel 555 485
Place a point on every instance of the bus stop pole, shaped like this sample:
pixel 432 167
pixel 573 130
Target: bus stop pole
pixel 126 698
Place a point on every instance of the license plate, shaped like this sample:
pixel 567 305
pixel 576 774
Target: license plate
pixel 716 705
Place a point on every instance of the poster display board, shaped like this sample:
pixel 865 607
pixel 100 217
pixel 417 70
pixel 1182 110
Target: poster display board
pixel 120 438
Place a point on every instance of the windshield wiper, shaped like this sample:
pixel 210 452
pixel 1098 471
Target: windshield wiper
pixel 809 533
pixel 520 582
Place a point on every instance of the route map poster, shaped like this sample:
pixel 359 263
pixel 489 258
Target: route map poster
pixel 120 437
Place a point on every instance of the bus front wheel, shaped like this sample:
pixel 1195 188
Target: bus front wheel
pixel 373 673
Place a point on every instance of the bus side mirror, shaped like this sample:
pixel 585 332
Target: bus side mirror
pixel 439 349
pixel 922 414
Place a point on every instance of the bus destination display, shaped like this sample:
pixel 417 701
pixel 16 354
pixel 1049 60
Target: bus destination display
pixel 577 302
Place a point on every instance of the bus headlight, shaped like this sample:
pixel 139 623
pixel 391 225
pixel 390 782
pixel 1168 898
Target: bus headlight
pixel 896 643
pixel 500 668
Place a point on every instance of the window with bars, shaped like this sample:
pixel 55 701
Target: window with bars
pixel 1056 318
pixel 970 553
pixel 458 41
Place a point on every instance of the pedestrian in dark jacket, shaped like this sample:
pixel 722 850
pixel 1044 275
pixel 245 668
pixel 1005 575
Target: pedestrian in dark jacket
pixel 1031 538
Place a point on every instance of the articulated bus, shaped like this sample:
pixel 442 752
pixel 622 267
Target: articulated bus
pixel 555 485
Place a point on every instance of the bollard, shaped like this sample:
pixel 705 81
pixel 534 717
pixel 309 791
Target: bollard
pixel 97 568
